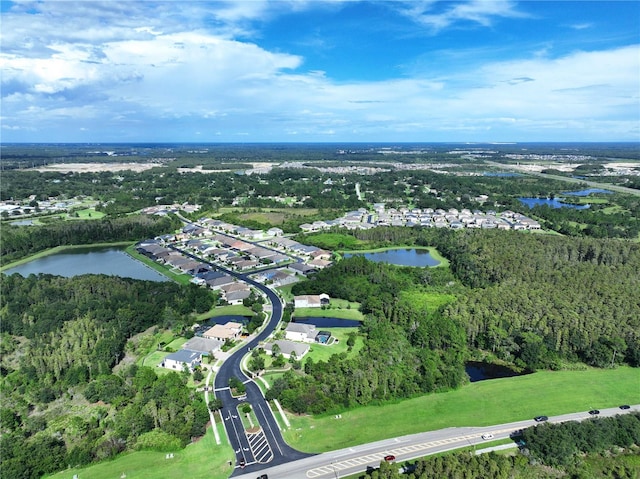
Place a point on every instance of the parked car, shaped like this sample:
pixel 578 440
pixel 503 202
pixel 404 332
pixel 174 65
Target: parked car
pixel 390 458
pixel 625 406
pixel 487 436
pixel 594 412
pixel 540 418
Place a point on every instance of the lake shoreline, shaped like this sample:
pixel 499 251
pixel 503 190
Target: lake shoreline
pixel 433 252
pixel 61 249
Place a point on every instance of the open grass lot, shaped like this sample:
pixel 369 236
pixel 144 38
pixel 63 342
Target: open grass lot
pixel 272 216
pixel 199 460
pixel 86 214
pixel 320 352
pixel 352 313
pixel 478 404
pixel 337 241
pixel 231 310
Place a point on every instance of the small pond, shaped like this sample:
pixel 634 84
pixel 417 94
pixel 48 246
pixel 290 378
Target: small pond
pixel 587 192
pixel 22 223
pixel 102 260
pixel 480 371
pixel 325 322
pixel 553 203
pixel 502 175
pixel 402 257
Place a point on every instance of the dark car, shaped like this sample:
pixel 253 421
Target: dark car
pixel 264 476
pixel 540 418
pixel 625 406
pixel 390 458
pixel 242 463
pixel 594 412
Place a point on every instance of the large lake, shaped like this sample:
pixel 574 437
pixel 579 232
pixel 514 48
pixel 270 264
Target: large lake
pixel 402 257
pixel 103 260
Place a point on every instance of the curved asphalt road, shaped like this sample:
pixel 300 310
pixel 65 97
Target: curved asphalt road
pixel 267 448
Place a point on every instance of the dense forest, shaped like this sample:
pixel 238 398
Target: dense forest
pixel 535 301
pixel 541 300
pixel 61 338
pixel 592 449
pixel 19 242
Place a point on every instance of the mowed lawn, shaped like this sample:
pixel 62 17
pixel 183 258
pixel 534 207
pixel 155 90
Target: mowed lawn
pixel 340 313
pixel 479 404
pixel 203 459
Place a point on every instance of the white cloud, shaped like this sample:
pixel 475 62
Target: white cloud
pixel 147 76
pixel 440 15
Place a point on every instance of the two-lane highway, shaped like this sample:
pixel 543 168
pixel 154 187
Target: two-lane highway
pixel 357 459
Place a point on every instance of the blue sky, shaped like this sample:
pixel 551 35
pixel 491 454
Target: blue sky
pixel 320 71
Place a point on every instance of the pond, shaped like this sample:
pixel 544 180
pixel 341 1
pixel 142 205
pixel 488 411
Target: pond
pixel 327 322
pixel 587 192
pixel 101 260
pixel 553 203
pixel 481 371
pixel 402 257
pixel 22 223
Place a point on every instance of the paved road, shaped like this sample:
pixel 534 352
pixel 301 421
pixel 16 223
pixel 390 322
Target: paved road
pixel 353 460
pixel 267 445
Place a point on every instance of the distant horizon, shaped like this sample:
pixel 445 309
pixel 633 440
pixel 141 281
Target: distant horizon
pixel 497 143
pixel 320 71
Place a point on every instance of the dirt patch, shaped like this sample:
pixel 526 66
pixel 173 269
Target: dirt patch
pixel 95 167
pixel 253 430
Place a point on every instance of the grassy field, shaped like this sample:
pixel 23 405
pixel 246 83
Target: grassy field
pixel 319 352
pixel 86 214
pixel 478 404
pixel 340 313
pixel 203 459
pixel 482 403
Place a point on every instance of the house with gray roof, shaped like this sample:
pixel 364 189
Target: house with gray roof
pixel 287 348
pixel 202 345
pixel 178 360
pixel 305 333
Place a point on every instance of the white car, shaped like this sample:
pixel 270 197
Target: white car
pixel 487 436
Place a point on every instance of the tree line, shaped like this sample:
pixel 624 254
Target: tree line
pixel 20 242
pixel 535 301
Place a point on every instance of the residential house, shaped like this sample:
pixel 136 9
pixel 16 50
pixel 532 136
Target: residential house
pixel 237 297
pixel 305 333
pixel 287 348
pixel 222 332
pixel 311 300
pixel 185 357
pixel 202 345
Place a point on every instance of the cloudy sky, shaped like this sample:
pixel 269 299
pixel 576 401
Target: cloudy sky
pixel 319 71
